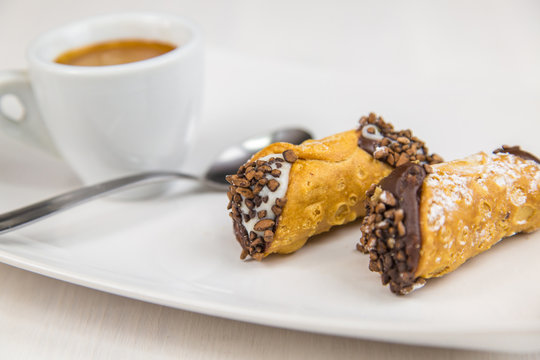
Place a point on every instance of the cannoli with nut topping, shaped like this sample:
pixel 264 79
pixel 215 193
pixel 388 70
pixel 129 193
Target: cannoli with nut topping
pixel 425 221
pixel 288 193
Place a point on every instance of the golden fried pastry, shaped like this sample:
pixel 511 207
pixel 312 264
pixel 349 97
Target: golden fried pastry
pixel 425 221
pixel 287 193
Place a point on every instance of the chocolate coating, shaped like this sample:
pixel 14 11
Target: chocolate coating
pixel 516 150
pixel 368 145
pixel 405 183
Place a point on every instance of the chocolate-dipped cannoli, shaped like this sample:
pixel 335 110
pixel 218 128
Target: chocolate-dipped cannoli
pixel 287 193
pixel 425 221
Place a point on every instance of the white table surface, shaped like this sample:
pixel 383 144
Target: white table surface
pixel 451 61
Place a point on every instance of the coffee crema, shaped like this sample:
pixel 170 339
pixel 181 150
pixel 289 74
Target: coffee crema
pixel 114 52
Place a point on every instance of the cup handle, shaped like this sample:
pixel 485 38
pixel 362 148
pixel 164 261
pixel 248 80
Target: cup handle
pixel 29 128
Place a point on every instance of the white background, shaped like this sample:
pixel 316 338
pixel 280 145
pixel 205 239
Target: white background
pixel 470 70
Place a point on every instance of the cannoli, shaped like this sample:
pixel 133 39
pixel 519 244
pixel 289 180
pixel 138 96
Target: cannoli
pixel 287 193
pixel 425 221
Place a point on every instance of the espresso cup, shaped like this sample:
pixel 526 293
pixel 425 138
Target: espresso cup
pixel 109 121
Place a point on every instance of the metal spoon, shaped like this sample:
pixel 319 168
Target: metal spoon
pixel 227 163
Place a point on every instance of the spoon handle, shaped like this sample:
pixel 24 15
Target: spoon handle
pixel 12 220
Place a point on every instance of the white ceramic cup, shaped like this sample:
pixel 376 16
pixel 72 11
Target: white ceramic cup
pixel 108 121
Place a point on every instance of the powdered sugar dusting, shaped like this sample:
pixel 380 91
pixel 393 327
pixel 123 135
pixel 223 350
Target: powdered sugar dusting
pixel 444 201
pixel 451 183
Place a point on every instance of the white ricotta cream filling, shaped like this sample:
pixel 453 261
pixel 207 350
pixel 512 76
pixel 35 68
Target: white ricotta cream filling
pixel 280 192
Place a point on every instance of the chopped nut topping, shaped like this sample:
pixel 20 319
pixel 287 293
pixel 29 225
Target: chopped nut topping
pixel 381 152
pixel 428 168
pixel 257 200
pixel 250 175
pixel 380 208
pixel 273 185
pixel 281 202
pixel 249 196
pixel 390 160
pixel 258 175
pixel 276 210
pixel 275 173
pixel 247 193
pixel 264 224
pixel 388 198
pixel 394 147
pixel 257 189
pixel 403 159
pixel 401 229
pixel 403 140
pixel 237 181
pixel 382 238
pixel 265 168
pixel 290 156
pixel 398 215
pixel 268 235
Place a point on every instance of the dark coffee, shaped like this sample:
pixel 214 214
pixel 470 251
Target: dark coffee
pixel 114 52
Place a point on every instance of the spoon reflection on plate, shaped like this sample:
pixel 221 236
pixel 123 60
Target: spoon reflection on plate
pixel 227 163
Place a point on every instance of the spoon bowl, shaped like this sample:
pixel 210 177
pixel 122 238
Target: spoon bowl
pixel 227 163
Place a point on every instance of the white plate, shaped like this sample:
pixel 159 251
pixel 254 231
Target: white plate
pixel 180 251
